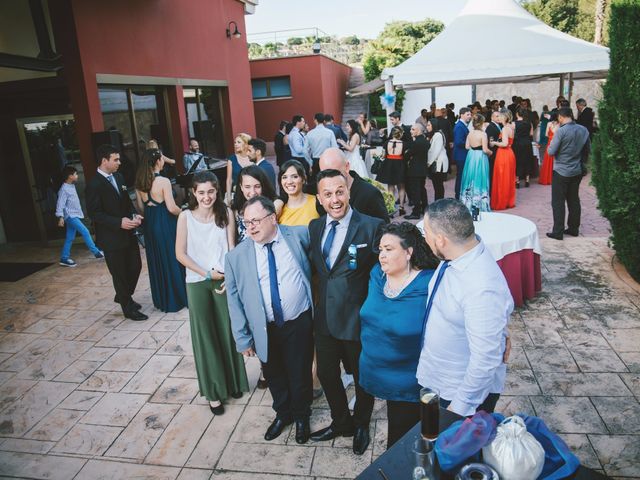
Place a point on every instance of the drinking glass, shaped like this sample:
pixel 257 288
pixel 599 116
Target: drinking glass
pixel 423 457
pixel 430 413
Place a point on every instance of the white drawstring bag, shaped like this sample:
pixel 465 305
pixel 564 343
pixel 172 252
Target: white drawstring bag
pixel 515 454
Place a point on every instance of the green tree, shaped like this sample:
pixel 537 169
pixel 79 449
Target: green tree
pixel 616 165
pixel 295 41
pixel 255 50
pixel 352 40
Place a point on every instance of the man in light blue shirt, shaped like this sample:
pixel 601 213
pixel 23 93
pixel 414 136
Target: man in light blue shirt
pixel 318 140
pixel 193 156
pixel 298 142
pixel 466 340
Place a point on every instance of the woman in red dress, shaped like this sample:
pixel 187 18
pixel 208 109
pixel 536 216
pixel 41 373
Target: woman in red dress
pixel 546 171
pixel 503 187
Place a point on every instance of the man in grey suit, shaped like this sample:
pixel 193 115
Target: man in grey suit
pixel 268 282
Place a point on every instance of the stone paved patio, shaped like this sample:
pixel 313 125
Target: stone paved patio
pixel 85 394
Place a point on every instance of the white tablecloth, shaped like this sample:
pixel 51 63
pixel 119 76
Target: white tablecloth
pixel 504 234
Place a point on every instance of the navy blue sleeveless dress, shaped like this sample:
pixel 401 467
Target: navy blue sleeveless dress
pixel 166 275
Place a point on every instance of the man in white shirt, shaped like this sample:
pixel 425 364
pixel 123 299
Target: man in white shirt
pixel 318 140
pixel 466 340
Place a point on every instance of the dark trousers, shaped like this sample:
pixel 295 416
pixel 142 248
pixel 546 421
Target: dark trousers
pixel 418 193
pixel 124 266
pixel 401 417
pixel 565 189
pixel 312 188
pixel 329 351
pixel 489 404
pixel 288 367
pixel 459 170
pixel 437 180
pixel 492 162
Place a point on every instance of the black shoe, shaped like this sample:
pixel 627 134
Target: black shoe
pixel 135 315
pixel 275 429
pixel 573 233
pixel 361 440
pixel 302 431
pixel 237 395
pixel 133 304
pixel 555 236
pixel 328 433
pixel 262 383
pixel 413 216
pixel 219 410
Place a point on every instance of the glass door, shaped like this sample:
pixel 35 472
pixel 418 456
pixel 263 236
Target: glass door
pixel 48 145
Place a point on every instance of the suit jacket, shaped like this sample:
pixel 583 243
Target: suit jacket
pixel 106 207
pixel 337 131
pixel 341 291
pixel 416 156
pixel 246 306
pixel 585 118
pixel 460 132
pixel 493 133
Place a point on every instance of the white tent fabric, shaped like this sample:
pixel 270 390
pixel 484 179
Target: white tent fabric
pixel 521 48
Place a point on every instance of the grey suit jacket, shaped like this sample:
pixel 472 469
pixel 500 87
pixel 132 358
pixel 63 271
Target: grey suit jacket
pixel 246 305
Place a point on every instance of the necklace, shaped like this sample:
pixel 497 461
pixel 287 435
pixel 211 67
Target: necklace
pixel 391 292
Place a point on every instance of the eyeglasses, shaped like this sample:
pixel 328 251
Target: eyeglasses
pixel 256 221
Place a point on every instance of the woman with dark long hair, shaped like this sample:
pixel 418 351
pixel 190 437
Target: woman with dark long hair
pixel 522 147
pixel 300 207
pixel 391 324
pixel 206 232
pixel 154 198
pixel 352 149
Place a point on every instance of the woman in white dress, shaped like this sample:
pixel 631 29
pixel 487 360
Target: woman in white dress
pixel 352 149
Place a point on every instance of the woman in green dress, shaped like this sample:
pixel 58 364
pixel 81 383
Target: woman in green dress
pixel 205 234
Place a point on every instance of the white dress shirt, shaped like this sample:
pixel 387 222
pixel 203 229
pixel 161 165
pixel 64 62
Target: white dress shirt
pixel 319 139
pixel 341 234
pixel 293 295
pixel 466 332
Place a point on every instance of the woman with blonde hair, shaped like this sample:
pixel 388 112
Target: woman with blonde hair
pixel 236 162
pixel 474 186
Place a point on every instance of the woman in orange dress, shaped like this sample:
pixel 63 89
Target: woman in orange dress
pixel 503 187
pixel 546 171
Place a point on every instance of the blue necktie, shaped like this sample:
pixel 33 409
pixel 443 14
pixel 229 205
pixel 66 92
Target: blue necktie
pixel 445 265
pixel 276 304
pixel 112 180
pixel 326 248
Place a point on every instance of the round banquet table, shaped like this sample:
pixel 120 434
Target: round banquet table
pixel 513 241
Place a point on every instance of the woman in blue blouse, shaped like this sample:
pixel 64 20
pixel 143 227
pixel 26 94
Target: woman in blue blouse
pixel 391 321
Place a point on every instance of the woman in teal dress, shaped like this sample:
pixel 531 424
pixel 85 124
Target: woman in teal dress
pixel 474 186
pixel 391 324
pixel 155 200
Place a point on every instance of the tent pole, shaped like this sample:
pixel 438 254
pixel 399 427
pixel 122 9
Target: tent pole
pixel 561 86
pixel 473 93
pixel 388 90
pixel 570 80
pixel 433 95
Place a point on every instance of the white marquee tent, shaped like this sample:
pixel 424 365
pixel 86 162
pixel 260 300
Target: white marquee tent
pixel 520 48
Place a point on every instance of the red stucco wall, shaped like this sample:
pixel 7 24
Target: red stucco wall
pixel 318 84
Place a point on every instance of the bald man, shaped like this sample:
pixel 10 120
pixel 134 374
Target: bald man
pixel 364 197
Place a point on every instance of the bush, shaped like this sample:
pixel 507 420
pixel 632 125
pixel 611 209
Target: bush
pixel 616 165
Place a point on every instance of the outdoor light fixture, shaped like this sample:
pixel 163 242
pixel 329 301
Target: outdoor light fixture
pixel 316 46
pixel 235 32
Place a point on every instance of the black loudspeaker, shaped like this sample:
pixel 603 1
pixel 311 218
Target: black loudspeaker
pixel 205 133
pixel 108 137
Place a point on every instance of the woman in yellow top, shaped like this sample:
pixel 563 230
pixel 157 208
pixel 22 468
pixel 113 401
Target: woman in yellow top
pixel 300 207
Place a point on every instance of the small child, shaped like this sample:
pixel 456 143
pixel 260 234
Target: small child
pixel 69 212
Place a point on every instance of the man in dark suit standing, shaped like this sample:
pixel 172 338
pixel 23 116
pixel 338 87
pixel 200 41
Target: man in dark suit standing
pixel 416 174
pixel 111 210
pixel 342 254
pixel 460 132
pixel 493 133
pixel 585 115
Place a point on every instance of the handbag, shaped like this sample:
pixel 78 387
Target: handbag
pixel 376 166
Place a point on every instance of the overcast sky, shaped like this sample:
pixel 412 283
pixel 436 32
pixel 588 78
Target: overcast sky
pixel 366 19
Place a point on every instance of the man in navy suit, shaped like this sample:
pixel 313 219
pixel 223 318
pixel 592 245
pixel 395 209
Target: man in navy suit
pixel 460 132
pixel 111 210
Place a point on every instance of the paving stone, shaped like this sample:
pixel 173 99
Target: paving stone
pixel 521 382
pixel 254 422
pixel 379 439
pixel 127 360
pixel 13 389
pixel 226 475
pixel 150 340
pixel 115 409
pixel 86 439
pixel 339 462
pixel 42 326
pixel 181 436
pixel 545 336
pixel 167 326
pixel 632 360
pixel 550 359
pixel 106 381
pixel 151 376
pixel 28 355
pixel 291 460
pixel 98 354
pixel 215 438
pixel 4 376
pixel 39 466
pixel 47 366
pixel 624 340
pixel 597 360
pixel 94 333
pixel 14 342
pixel 81 400
pixel 24 413
pixel 176 390
pixel 583 338
pixel 117 338
pixel 632 380
pixel 511 405
pixel 582 384
pixel 179 343
pixel 581 447
pixel 185 369
pixel 568 414
pixel 620 414
pixel 518 360
pixel 78 371
pixel 141 434
pixel 107 470
pixel 55 425
pixel 194 474
pixel 618 454
pixel 26 446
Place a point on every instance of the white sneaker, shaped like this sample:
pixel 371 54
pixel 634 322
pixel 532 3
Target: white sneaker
pixel 68 263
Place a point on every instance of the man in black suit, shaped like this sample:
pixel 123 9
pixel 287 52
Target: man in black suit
pixel 395 121
pixel 111 210
pixel 585 115
pixel 493 133
pixel 342 254
pixel 416 173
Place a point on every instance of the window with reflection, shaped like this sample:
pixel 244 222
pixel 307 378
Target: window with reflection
pixel 204 119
